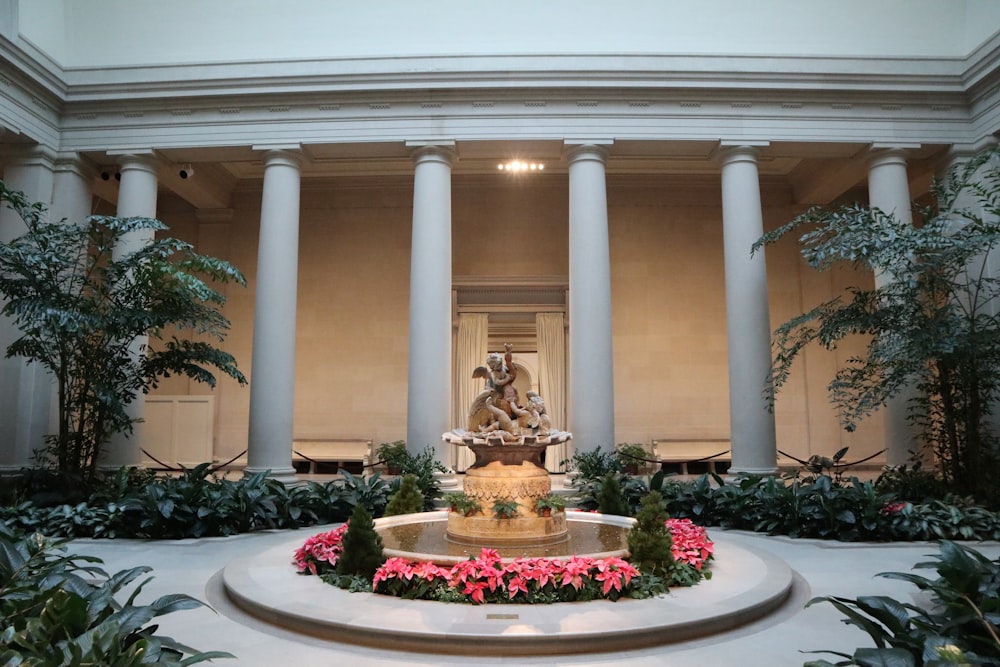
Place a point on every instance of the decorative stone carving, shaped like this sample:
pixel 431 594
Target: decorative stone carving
pixel 508 439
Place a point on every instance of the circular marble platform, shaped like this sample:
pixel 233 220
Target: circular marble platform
pixel 746 585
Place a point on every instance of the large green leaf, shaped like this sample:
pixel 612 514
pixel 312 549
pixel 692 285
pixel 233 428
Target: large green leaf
pixel 884 657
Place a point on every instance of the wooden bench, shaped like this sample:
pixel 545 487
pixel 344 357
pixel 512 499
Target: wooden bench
pixel 683 451
pixel 331 450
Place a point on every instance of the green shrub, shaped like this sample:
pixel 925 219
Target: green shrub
pixel 197 504
pixel 631 457
pixel 911 483
pixel 407 499
pixel 362 553
pixel 610 499
pixel 424 466
pixel 593 464
pixel 851 510
pixel 60 609
pixel 649 541
pixel 592 468
pixel 393 455
pixel 958 628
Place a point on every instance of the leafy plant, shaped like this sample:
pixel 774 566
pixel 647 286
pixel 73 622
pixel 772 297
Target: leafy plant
pixel 393 455
pixel 525 580
pixel 551 502
pixel 505 508
pixel 425 467
pixel 959 628
pixel 61 609
pixel 912 483
pixel 593 464
pixel 372 492
pixel 407 499
pixel 80 305
pixel 591 469
pixel 930 324
pixel 631 457
pixel 463 504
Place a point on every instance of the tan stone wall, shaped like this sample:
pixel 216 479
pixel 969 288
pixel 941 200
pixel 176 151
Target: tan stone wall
pixel 668 297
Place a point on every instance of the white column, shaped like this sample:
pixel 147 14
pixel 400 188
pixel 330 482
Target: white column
pixel 889 191
pixel 25 389
pixel 72 195
pixel 429 370
pixel 272 381
pixel 72 202
pixel 136 198
pixel 591 367
pixel 747 316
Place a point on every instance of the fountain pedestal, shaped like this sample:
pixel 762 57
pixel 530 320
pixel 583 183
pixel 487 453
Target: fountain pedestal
pixel 512 472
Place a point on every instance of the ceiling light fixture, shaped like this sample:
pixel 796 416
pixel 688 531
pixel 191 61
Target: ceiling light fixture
pixel 516 166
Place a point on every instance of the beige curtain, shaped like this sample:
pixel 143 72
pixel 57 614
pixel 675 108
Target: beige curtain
pixel 552 379
pixel 470 351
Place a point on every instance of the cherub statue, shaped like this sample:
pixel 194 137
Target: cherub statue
pixel 496 407
pixel 538 418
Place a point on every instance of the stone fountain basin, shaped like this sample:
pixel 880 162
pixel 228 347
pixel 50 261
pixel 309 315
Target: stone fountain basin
pixel 589 534
pixel 747 585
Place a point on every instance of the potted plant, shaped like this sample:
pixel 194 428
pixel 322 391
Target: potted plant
pixel 463 504
pixel 631 456
pixel 394 456
pixel 505 508
pixel 546 505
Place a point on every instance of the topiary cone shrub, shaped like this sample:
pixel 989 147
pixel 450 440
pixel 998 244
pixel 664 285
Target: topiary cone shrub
pixel 610 499
pixel 362 553
pixel 649 542
pixel 408 499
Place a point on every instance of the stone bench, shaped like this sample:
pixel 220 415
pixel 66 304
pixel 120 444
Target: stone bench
pixel 331 450
pixel 683 451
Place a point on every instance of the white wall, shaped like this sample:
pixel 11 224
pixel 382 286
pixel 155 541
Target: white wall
pixel 143 32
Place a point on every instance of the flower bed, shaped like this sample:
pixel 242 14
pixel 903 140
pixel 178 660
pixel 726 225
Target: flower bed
pixel 524 580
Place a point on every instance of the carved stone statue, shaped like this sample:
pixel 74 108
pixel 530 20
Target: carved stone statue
pixel 497 409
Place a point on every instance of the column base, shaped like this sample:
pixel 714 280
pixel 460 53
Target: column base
pixel 286 476
pixel 763 472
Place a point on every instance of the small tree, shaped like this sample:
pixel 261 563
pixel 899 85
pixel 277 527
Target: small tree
pixel 362 553
pixel 610 499
pixel 931 324
pixel 407 499
pixel 650 544
pixel 79 307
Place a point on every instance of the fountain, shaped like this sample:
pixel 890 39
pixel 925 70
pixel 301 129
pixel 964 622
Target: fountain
pixel 508 438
